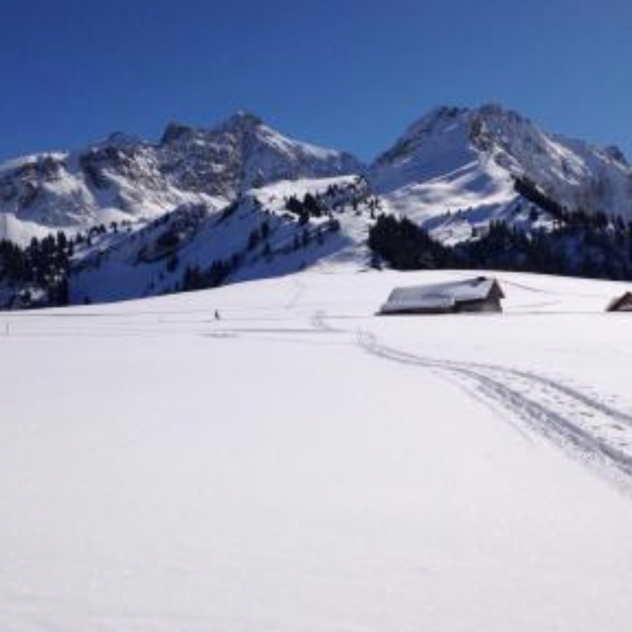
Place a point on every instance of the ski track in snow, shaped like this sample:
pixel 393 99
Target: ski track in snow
pixel 585 424
pixel 597 432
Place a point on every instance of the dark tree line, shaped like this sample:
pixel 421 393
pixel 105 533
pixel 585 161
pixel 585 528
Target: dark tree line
pixel 37 274
pixel 196 277
pixel 589 249
pixel 579 217
pixel 334 198
pixel 309 206
pixel 406 246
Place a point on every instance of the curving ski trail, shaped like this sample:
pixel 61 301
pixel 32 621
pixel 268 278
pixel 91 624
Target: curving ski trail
pixel 591 428
pixel 555 410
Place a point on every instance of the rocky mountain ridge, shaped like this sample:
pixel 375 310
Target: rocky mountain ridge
pixel 127 218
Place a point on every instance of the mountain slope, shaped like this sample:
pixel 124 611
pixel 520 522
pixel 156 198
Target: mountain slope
pixel 467 161
pixel 125 178
pixel 273 230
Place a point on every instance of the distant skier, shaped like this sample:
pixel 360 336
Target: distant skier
pixel 217 316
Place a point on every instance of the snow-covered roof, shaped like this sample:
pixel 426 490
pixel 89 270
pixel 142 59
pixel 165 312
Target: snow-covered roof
pixel 440 296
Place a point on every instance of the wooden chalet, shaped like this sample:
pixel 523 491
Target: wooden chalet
pixel 480 294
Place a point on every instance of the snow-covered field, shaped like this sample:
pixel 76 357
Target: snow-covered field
pixel 302 465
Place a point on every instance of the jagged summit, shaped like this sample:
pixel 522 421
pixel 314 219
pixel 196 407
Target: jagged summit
pixel 487 126
pixel 468 125
pixel 242 121
pixel 124 177
pixel 435 120
pixel 174 131
pixel 469 158
pixel 122 139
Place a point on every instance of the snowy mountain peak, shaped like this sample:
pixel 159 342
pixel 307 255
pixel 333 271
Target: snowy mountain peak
pixel 437 120
pixel 124 177
pixel 174 131
pixel 242 122
pixel 479 127
pixel 460 159
pixel 122 139
pixel 244 119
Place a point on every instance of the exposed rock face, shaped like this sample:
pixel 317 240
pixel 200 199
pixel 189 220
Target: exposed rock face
pixel 125 177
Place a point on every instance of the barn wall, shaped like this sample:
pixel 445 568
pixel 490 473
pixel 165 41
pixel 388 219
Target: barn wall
pixel 489 305
pixel 625 305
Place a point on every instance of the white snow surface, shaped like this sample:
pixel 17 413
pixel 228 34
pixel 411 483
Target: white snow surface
pixel 301 464
pixel 112 269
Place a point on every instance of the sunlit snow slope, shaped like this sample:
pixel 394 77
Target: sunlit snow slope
pixel 455 171
pixel 301 464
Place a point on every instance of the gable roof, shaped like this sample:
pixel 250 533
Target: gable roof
pixel 624 301
pixel 441 296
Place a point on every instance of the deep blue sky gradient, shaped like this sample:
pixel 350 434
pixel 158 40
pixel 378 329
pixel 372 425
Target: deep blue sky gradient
pixel 351 74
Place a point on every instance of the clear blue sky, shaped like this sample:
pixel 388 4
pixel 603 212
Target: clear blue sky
pixel 345 73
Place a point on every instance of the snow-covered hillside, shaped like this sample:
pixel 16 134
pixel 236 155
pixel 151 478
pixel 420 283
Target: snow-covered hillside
pixel 125 178
pixel 258 236
pixel 466 162
pixel 301 464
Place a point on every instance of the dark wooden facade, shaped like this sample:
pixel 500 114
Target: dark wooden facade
pixel 621 304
